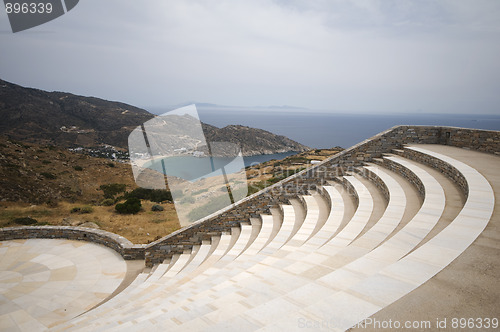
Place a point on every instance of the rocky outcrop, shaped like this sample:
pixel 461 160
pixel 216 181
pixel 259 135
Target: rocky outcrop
pixel 252 141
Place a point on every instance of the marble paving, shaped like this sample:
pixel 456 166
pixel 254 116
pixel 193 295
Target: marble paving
pixel 44 282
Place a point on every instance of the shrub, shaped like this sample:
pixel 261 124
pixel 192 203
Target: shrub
pixel 112 189
pixel 108 202
pixel 25 221
pixel 48 175
pixel 52 202
pixel 153 195
pixel 254 187
pixel 283 174
pixel 78 168
pixel 82 210
pixel 130 206
pixel 157 207
pixel 274 180
pixel 86 209
pixel 298 159
pixel 75 210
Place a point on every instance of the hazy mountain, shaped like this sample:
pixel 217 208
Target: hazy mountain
pixel 67 120
pixel 64 119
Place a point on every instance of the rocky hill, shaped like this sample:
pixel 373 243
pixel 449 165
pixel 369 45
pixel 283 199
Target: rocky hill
pixel 64 119
pixel 67 120
pixel 253 141
pixel 39 174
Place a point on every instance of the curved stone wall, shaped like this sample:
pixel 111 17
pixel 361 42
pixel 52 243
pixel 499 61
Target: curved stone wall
pixel 124 247
pixel 376 180
pixel 450 171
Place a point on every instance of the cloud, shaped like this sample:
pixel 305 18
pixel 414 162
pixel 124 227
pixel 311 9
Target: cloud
pixel 340 55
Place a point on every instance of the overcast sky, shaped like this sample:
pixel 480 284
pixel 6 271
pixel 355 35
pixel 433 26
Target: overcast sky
pixel 359 56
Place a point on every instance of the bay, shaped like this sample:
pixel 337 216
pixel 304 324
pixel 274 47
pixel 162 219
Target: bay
pixel 192 168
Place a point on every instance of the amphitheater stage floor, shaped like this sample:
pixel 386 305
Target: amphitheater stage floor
pixel 46 281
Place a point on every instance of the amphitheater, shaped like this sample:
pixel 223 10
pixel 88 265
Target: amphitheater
pixel 401 231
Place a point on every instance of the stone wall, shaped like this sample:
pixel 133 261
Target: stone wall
pixel 376 180
pixel 404 172
pixel 473 139
pixel 450 171
pixel 322 191
pixel 350 190
pixel 124 247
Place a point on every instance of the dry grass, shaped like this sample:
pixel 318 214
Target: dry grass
pixel 144 227
pixel 266 170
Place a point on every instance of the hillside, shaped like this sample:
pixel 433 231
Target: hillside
pixel 253 141
pixel 43 174
pixel 37 116
pixel 46 183
pixel 67 120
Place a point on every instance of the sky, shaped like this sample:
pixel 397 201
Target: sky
pixel 366 56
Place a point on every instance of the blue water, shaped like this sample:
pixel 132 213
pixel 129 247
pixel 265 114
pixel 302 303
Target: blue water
pixel 326 130
pixel 191 168
pixel 252 160
pixel 321 130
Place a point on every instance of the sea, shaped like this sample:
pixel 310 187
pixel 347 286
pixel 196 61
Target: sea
pixel 322 130
pixel 326 130
pixel 194 168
